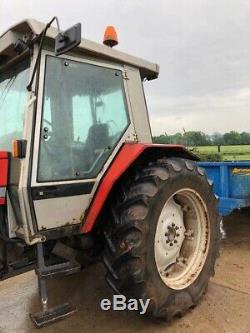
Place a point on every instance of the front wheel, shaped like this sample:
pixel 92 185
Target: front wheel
pixel 163 237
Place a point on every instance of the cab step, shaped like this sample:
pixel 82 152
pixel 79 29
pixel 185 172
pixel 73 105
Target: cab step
pixel 65 268
pixel 52 315
pixel 44 272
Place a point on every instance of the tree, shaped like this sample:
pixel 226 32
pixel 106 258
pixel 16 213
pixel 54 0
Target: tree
pixel 245 138
pixel 232 138
pixel 217 139
pixel 195 138
pixel 177 138
pixel 198 138
pixel 161 139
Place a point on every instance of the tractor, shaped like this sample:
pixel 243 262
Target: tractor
pixel 82 182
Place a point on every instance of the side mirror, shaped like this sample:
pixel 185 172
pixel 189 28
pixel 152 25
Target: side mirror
pixel 67 40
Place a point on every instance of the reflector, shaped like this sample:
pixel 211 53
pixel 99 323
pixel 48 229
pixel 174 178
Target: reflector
pixel 19 148
pixel 15 148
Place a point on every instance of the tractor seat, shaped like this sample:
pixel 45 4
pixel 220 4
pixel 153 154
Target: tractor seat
pixel 98 137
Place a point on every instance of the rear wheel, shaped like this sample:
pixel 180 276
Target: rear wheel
pixel 163 237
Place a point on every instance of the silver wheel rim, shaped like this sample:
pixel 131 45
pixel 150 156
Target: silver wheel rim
pixel 182 239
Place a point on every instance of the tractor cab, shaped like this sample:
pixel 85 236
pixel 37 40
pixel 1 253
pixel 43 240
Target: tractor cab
pixel 64 117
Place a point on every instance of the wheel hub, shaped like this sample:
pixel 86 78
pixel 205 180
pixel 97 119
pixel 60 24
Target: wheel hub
pixel 169 236
pixel 172 234
pixel 181 239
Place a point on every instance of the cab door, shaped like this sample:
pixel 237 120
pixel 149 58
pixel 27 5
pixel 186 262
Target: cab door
pixel 82 119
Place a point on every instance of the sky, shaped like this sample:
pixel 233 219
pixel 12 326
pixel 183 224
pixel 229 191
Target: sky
pixel 202 47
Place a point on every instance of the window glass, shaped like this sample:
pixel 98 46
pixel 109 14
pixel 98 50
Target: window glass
pixel 84 116
pixel 13 98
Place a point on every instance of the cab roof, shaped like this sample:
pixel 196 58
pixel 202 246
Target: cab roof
pixel 147 69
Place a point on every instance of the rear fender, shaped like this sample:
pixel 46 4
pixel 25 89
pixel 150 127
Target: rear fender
pixel 129 154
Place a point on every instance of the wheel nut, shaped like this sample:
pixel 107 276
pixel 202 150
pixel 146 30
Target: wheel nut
pixel 177 235
pixel 171 244
pixel 175 241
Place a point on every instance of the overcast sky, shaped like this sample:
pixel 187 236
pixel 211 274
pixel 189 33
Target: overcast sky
pixel 202 47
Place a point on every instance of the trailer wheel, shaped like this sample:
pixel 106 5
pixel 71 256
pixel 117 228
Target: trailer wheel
pixel 162 238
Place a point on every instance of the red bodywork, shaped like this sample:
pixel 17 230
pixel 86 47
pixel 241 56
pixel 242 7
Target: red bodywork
pixel 4 167
pixel 128 154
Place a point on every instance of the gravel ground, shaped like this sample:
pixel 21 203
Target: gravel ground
pixel 225 308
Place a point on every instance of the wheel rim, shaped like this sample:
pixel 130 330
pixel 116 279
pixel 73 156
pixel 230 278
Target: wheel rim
pixel 182 239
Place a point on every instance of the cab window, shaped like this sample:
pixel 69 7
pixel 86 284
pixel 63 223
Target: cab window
pixel 84 116
pixel 13 98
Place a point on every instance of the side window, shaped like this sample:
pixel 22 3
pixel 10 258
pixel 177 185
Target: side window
pixel 84 116
pixel 13 98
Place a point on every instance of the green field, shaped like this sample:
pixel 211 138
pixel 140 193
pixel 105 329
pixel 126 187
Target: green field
pixel 227 153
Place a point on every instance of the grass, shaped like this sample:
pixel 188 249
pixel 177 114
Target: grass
pixel 227 153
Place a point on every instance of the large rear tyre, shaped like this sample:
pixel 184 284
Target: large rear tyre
pixel 162 238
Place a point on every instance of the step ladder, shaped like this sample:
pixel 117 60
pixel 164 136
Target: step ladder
pixel 50 315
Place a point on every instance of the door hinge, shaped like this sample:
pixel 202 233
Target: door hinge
pixel 125 75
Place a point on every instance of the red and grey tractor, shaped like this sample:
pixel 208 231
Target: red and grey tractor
pixel 81 180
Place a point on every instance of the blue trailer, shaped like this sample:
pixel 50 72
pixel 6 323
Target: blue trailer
pixel 231 184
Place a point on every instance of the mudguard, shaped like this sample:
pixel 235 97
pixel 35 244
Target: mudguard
pixel 126 156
